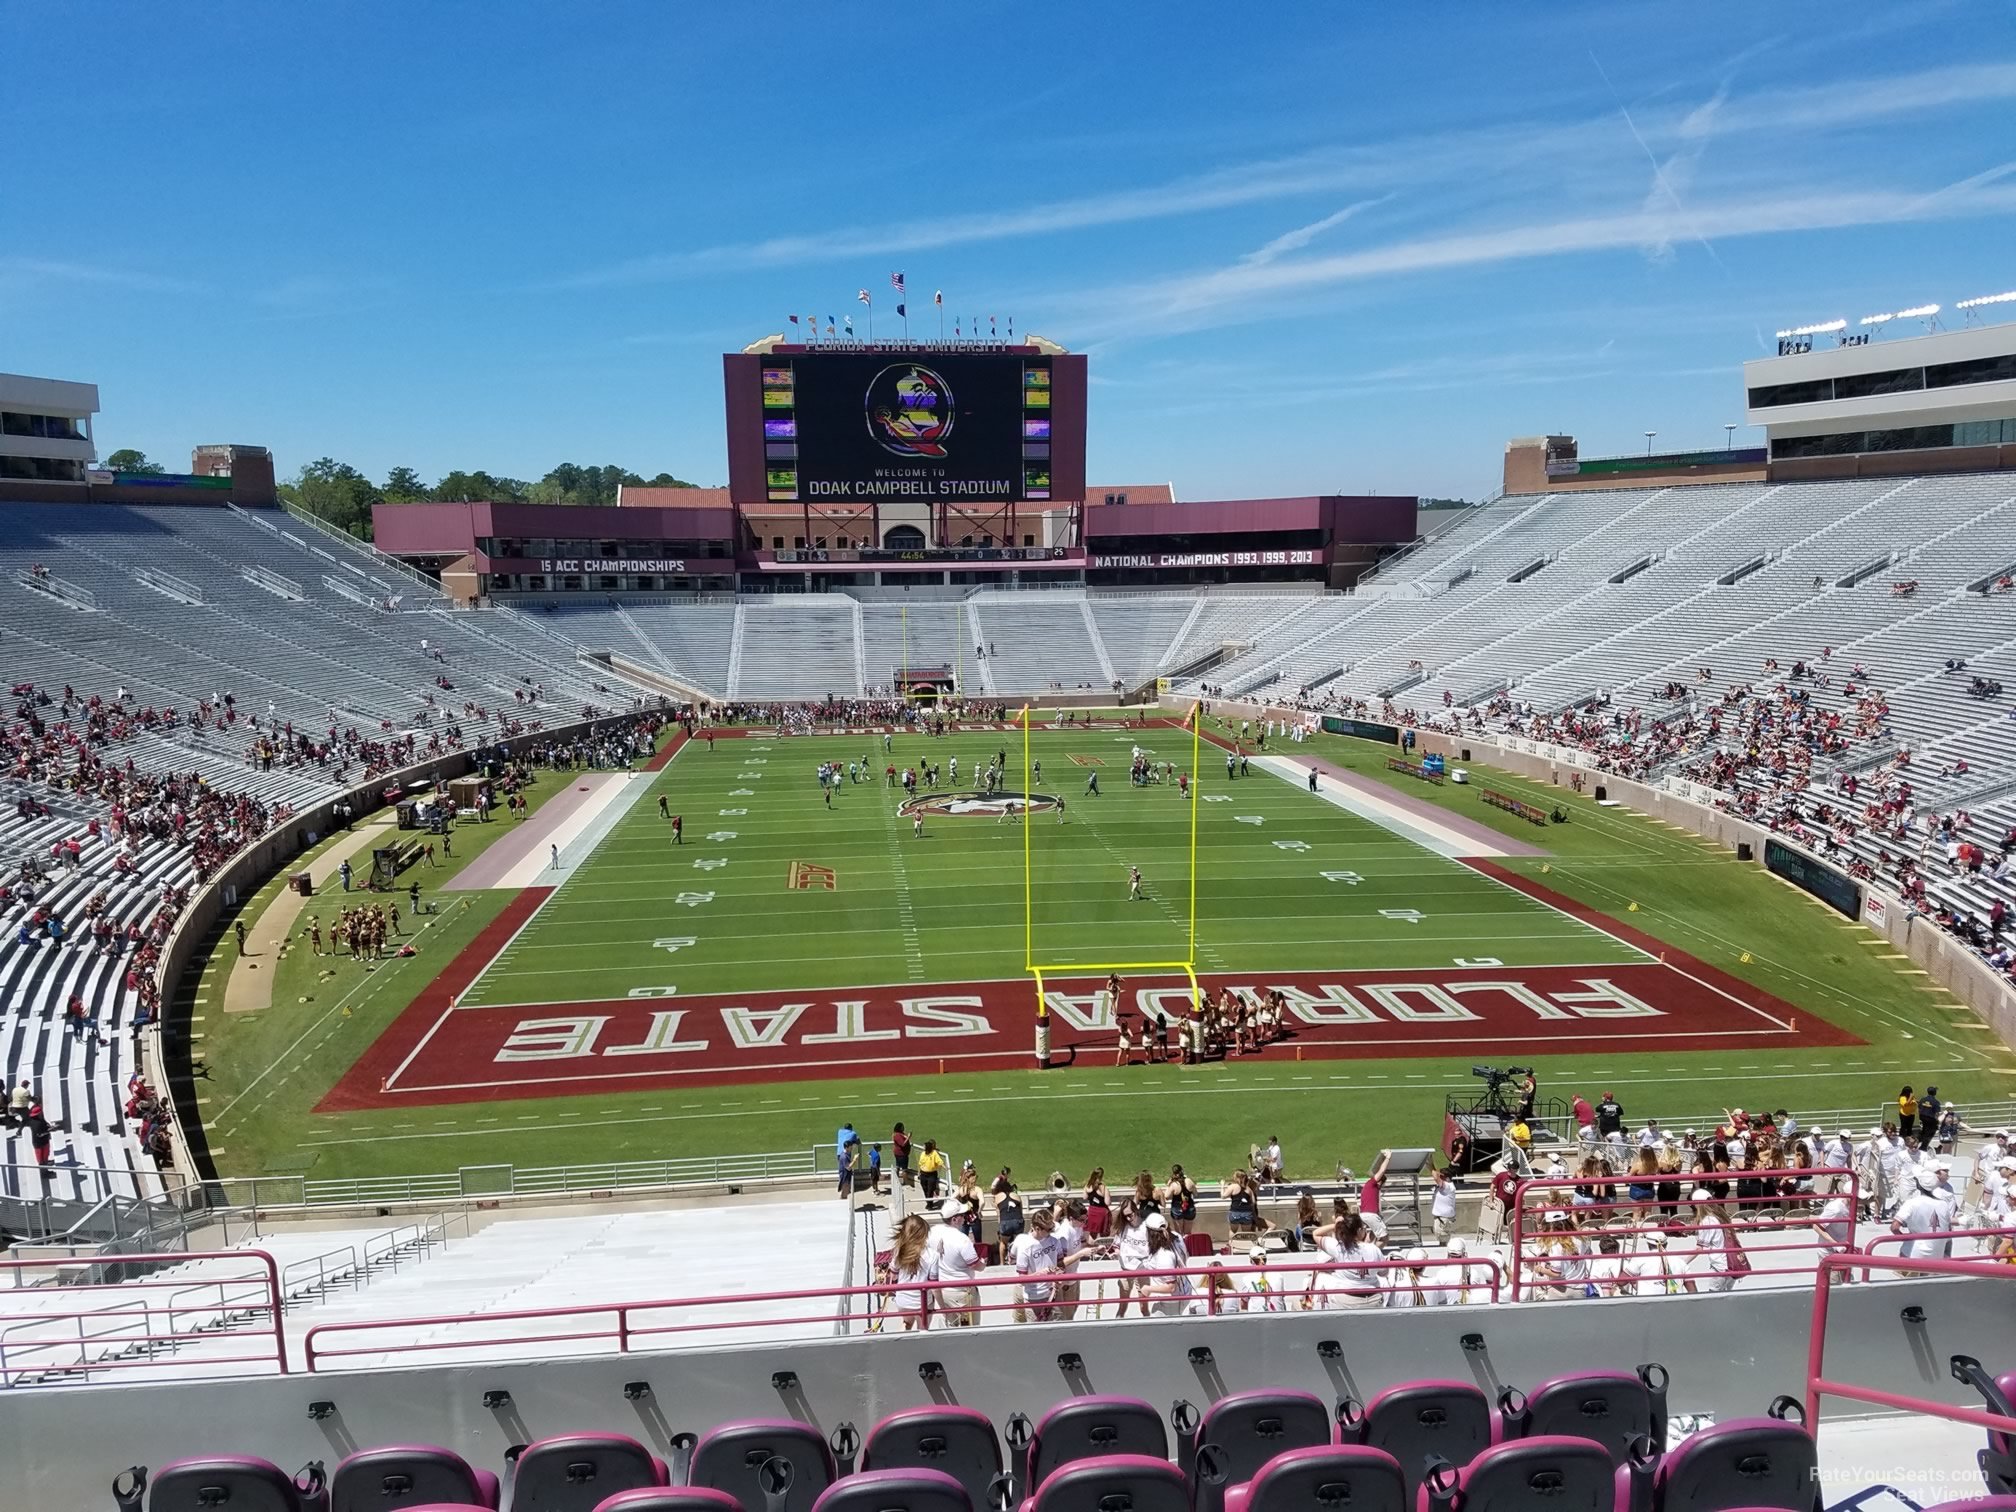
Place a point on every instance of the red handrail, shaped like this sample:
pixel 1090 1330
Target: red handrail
pixel 120 1293
pixel 1974 1233
pixel 626 1329
pixel 1817 1385
pixel 1687 1181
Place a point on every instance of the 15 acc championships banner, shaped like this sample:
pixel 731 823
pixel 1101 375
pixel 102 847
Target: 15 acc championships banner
pixel 883 427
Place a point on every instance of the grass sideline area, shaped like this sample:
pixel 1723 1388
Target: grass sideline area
pixel 1258 908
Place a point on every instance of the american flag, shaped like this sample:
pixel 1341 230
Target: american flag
pixel 896 282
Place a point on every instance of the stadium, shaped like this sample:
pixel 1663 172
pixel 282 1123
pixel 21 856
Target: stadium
pixel 918 981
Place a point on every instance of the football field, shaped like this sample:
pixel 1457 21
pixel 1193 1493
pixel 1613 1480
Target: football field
pixel 791 964
pixel 774 887
pixel 738 921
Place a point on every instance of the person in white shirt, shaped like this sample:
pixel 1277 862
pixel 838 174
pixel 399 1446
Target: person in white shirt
pixel 1995 1191
pixel 1342 1243
pixel 1038 1257
pixel 1415 1286
pixel 1948 1200
pixel 1650 1273
pixel 1606 1271
pixel 1711 1269
pixel 1166 1252
pixel 1919 1214
pixel 1465 1283
pixel 1068 1223
pixel 1442 1205
pixel 1132 1247
pixel 1257 1286
pixel 910 1266
pixel 952 1255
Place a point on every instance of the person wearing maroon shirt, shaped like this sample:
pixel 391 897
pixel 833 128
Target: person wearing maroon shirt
pixel 899 1142
pixel 1368 1195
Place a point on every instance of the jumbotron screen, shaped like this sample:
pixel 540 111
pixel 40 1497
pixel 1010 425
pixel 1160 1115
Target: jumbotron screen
pixel 896 424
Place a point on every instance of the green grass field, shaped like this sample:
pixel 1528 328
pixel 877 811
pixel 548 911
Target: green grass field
pixel 948 908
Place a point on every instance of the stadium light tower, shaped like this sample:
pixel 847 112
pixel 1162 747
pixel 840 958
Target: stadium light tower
pixel 1729 436
pixel 1648 442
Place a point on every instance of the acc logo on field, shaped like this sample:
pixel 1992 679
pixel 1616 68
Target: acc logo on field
pixel 977 805
pixel 909 410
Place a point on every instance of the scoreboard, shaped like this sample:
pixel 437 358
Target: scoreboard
pixel 965 423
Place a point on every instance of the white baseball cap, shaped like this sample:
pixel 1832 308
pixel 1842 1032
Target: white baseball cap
pixel 951 1207
pixel 1554 1215
pixel 1156 1221
pixel 1459 1245
pixel 1415 1255
pixel 1700 1194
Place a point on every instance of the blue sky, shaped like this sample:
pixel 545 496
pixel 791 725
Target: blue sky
pixel 1309 248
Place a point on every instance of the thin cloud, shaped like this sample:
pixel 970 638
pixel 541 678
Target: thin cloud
pixel 1302 236
pixel 1196 299
pixel 1485 158
pixel 27 270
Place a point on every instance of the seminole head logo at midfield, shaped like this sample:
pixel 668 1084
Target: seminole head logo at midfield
pixel 971 805
pixel 909 410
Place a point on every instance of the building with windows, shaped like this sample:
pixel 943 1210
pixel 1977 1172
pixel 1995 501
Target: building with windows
pixel 1943 402
pixel 45 428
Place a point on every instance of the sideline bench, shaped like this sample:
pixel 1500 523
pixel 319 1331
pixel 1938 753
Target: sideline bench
pixel 1413 769
pixel 1532 813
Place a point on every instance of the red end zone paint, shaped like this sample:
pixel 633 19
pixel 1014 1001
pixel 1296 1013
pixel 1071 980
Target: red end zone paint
pixel 439 1054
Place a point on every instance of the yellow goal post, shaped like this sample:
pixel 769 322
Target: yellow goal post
pixel 1040 970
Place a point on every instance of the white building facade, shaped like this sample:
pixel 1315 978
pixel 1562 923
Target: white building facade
pixel 45 428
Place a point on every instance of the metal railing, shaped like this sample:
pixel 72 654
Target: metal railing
pixel 1817 1383
pixel 351 542
pixel 1211 1289
pixel 1774 1214
pixel 273 582
pixel 131 1327
pixel 44 581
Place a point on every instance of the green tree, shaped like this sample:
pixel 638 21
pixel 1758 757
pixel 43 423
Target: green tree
pixel 402 484
pixel 479 487
pixel 666 480
pixel 128 460
pixel 336 492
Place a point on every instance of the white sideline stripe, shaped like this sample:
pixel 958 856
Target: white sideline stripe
pixel 635 792
pixel 532 870
pixel 1445 842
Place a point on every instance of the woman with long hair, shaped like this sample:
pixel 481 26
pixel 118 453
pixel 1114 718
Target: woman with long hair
pixel 910 1266
pixel 1180 1201
pixel 1166 1253
pixel 1643 1186
pixel 1306 1222
pixel 1145 1199
pixel 1098 1204
pixel 1132 1247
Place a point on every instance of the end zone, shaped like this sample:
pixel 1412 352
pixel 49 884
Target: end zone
pixel 441 1052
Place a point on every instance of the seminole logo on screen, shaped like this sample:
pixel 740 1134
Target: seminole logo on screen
pixel 978 805
pixel 909 410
